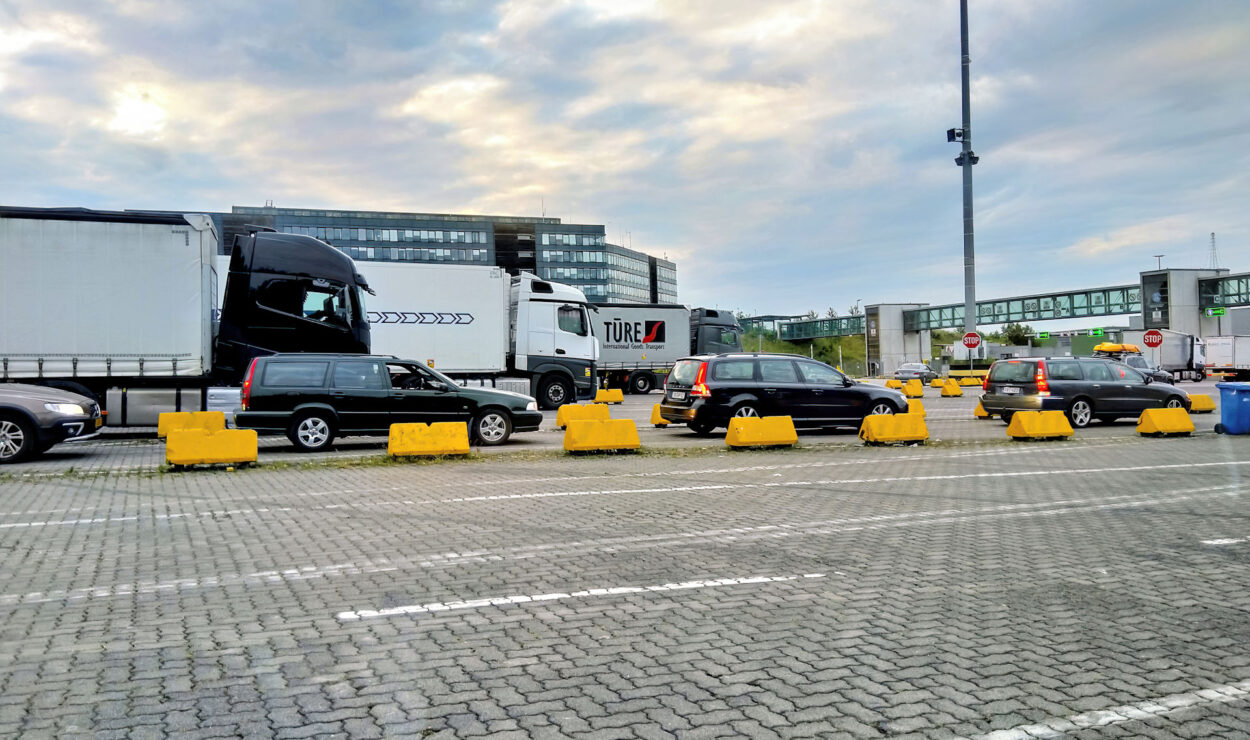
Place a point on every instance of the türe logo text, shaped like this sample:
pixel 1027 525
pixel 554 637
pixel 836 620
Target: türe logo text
pixel 644 332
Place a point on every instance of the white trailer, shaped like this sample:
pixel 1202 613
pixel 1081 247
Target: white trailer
pixel 640 342
pixel 1183 355
pixel 477 323
pixel 1229 354
pixel 99 298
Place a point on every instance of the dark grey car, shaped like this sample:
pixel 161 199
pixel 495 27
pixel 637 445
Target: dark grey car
pixel 34 417
pixel 1085 388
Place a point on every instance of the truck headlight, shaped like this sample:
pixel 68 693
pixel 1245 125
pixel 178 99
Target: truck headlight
pixel 531 406
pixel 65 408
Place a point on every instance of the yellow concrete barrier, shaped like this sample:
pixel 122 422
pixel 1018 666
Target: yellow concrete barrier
pixel 880 429
pixel 610 395
pixel 601 436
pixel 951 388
pixel 202 447
pixel 936 383
pixel 761 431
pixel 915 407
pixel 1201 403
pixel 1039 425
pixel 656 419
pixel 1164 421
pixel 580 412
pixel 209 421
pixel 893 383
pixel 980 412
pixel 439 438
pixel 969 381
pixel 914 389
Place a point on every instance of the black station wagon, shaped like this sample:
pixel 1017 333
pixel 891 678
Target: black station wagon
pixel 314 398
pixel 706 391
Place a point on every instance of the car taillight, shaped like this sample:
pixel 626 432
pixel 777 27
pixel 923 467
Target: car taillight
pixel 699 390
pixel 246 394
pixel 985 382
pixel 1043 387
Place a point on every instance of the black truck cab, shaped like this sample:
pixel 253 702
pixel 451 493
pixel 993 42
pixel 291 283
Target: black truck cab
pixel 288 293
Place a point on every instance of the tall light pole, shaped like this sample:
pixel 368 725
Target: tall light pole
pixel 863 321
pixel 965 160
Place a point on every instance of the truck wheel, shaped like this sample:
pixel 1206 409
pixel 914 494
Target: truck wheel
pixel 17 439
pixel 492 427
pixel 311 432
pixel 554 393
pixel 641 383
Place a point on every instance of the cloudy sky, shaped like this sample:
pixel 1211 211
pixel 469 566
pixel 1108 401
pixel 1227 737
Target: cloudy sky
pixel 789 154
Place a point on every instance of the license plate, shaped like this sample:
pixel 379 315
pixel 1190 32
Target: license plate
pixel 1011 391
pixel 679 395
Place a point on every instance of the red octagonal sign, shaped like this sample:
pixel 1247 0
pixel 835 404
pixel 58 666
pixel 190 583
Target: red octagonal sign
pixel 1152 338
pixel 972 339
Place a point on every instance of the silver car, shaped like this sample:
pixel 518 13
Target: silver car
pixel 909 370
pixel 33 418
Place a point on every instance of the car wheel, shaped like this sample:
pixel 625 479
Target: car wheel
pixel 554 393
pixel 881 407
pixel 1006 416
pixel 700 428
pixel 17 439
pixel 492 427
pixel 1080 413
pixel 746 411
pixel 641 383
pixel 1175 402
pixel 311 432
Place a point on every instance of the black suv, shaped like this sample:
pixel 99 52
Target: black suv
pixel 707 391
pixel 1086 388
pixel 314 398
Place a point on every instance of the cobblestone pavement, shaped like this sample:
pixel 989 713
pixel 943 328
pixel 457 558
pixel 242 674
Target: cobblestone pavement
pixel 1088 588
pixel 949 420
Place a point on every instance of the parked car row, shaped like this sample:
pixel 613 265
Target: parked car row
pixel 315 398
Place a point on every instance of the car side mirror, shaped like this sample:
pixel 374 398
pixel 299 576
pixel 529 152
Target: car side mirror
pixel 1149 379
pixel 847 382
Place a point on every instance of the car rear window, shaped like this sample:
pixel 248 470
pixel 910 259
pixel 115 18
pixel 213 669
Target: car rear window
pixel 1013 371
pixel 685 371
pixel 359 374
pixel 733 370
pixel 295 374
pixel 1097 371
pixel 1063 370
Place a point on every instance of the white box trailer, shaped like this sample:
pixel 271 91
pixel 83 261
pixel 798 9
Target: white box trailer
pixel 93 298
pixel 1183 355
pixel 453 317
pixel 1229 354
pixel 477 323
pixel 640 342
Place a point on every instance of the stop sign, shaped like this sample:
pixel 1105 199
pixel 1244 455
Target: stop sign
pixel 1153 338
pixel 972 339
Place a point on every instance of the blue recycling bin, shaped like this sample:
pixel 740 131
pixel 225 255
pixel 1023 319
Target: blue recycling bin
pixel 1234 408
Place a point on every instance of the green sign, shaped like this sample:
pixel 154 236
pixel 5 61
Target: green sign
pixel 1043 335
pixel 1209 312
pixel 1095 332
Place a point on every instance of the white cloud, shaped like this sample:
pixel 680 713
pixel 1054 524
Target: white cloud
pixel 1146 234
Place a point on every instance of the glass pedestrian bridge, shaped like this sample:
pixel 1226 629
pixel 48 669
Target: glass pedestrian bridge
pixel 1227 291
pixel 1113 301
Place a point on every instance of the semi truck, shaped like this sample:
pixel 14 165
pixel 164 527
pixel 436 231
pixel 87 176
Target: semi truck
pixel 477 323
pixel 1229 354
pixel 122 306
pixel 1183 355
pixel 639 343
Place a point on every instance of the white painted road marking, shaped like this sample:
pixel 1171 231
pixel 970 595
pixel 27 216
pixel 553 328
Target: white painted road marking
pixel 625 544
pixel 442 606
pixel 1149 709
pixel 1224 541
